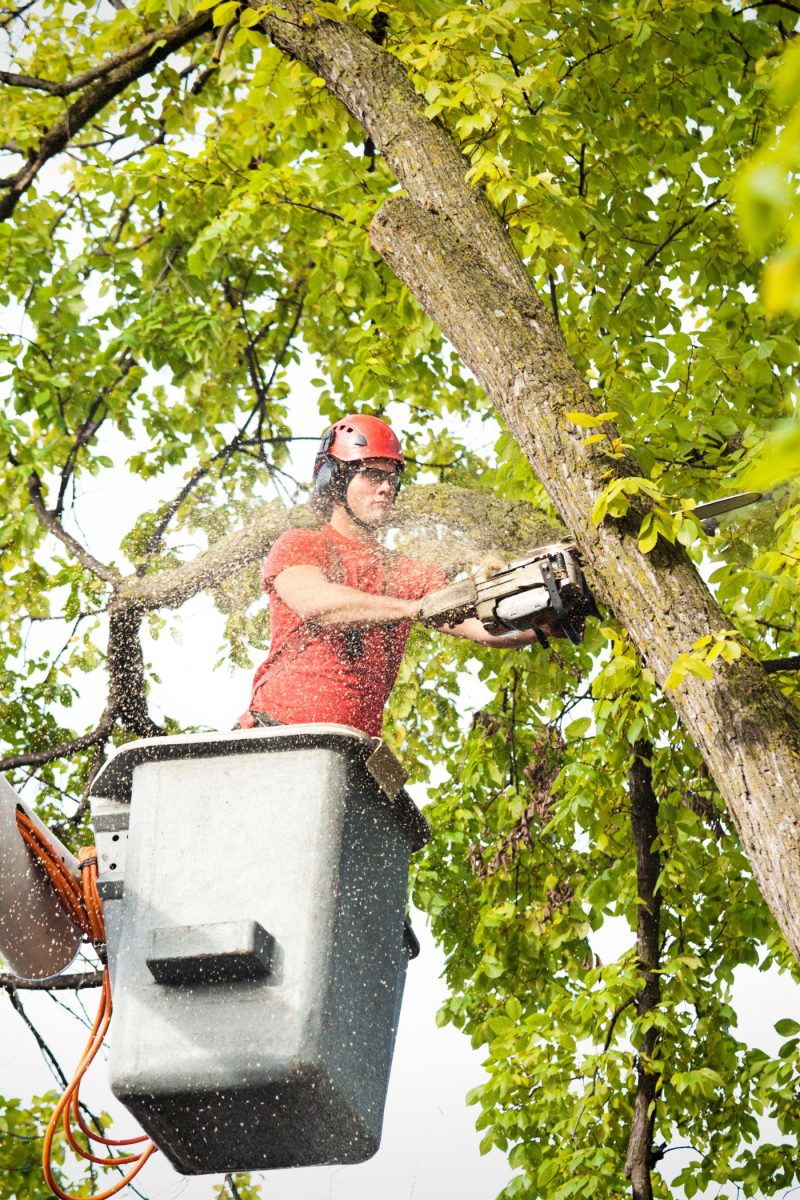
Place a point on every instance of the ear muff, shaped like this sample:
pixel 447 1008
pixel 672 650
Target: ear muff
pixel 330 480
pixel 322 482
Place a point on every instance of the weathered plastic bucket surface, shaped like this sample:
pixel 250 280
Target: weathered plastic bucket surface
pixel 262 876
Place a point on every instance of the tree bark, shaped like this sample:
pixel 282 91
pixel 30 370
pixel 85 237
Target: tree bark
pixel 644 820
pixel 450 249
pixel 127 691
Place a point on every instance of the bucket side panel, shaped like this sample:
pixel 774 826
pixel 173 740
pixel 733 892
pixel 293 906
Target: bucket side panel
pixel 220 840
pixel 368 963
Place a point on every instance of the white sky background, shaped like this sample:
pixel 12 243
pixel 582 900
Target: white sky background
pixel 430 1146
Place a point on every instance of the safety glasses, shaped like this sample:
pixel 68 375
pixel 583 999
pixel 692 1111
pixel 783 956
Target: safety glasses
pixel 376 476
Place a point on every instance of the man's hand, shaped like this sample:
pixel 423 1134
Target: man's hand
pixel 452 610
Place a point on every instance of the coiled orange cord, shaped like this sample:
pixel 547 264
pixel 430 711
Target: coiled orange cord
pixel 85 909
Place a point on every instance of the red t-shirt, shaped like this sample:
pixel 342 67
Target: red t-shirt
pixel 344 677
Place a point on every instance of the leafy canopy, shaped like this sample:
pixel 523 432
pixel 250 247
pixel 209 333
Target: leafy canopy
pixel 207 229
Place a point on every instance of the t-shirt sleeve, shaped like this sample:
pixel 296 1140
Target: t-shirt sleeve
pixel 295 548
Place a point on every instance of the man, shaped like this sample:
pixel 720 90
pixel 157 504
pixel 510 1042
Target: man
pixel 342 606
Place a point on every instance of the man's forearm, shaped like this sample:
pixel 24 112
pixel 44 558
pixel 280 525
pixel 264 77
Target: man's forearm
pixel 347 606
pixel 473 630
pixel 316 599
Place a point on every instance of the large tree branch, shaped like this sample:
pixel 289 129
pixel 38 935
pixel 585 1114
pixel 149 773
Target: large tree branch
pixel 95 98
pixel 644 819
pixel 451 526
pixel 450 249
pixel 448 525
pixel 125 662
pixel 64 87
pixel 37 758
pixel 748 733
pixel 373 86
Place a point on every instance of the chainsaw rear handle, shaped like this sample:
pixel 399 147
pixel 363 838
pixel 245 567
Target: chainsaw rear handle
pixel 450 605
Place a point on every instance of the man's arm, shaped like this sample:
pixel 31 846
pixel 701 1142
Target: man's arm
pixel 314 598
pixel 473 630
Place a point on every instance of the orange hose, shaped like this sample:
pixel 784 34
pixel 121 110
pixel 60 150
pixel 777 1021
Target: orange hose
pixel 85 909
pixel 96 1137
pixel 66 888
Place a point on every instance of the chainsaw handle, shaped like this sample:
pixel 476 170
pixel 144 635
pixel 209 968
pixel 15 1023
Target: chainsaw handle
pixel 450 605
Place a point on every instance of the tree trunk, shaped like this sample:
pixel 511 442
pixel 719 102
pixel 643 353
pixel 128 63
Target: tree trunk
pixel 450 249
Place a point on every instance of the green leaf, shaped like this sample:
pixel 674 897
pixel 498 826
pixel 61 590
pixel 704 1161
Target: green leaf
pixel 226 12
pixel 589 420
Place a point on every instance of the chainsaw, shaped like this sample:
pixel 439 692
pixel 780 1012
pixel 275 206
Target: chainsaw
pixel 545 589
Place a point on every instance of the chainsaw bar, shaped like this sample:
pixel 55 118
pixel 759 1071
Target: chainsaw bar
pixel 712 508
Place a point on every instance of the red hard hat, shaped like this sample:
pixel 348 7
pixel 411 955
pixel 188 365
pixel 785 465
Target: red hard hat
pixel 355 438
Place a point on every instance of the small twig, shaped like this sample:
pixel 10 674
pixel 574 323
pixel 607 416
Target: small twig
pixel 651 258
pixel 615 1016
pixel 13 13
pixel 54 526
pixel 554 298
pixel 235 1193
pixel 88 428
pixel 773 665
pixel 47 1054
pixel 513 731
pixel 792 8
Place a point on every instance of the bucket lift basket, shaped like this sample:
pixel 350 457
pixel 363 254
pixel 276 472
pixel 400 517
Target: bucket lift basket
pixel 254 890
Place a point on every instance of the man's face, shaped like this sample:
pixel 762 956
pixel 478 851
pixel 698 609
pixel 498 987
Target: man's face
pixel 372 490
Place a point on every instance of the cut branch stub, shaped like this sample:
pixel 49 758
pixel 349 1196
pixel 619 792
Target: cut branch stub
pixel 440 523
pixel 374 88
